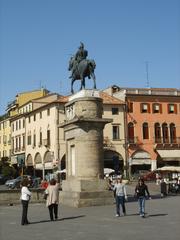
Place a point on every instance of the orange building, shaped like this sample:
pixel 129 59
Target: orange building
pixel 153 126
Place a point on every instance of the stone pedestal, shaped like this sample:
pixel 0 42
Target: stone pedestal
pixel 83 130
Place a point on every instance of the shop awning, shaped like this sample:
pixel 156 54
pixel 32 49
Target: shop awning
pixel 46 166
pixel 169 169
pixel 169 154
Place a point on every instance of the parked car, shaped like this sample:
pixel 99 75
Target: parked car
pixel 15 183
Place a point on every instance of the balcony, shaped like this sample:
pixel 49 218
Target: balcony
pixel 134 143
pixel 107 144
pixel 46 142
pixel 167 143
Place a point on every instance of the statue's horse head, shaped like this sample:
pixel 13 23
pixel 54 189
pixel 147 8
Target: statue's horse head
pixel 92 63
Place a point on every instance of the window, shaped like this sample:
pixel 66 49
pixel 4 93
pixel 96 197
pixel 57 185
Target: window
pixel 29 119
pixel 130 132
pixel 165 133
pixel 23 143
pixel 40 138
pixel 115 111
pixel 40 115
pixel 130 107
pixel 115 130
pixel 16 143
pixel 12 144
pixel 16 125
pixel 9 141
pixel 48 137
pixel 29 140
pixel 19 124
pixel 23 123
pixel 48 111
pixel 145 108
pixel 19 146
pixel 13 127
pixel 145 131
pixel 172 108
pixel 34 117
pixel 172 133
pixel 4 139
pixel 157 108
pixel 34 140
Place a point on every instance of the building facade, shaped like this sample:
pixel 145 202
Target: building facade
pixel 5 137
pixel 153 126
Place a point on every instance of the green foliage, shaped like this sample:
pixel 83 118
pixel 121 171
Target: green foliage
pixel 8 171
pixel 5 167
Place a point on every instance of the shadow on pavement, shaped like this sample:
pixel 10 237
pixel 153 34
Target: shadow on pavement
pixel 157 215
pixel 58 220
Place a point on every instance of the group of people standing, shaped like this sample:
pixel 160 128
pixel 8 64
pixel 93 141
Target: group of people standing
pixel 52 200
pixel 141 191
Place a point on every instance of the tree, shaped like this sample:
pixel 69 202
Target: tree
pixel 5 167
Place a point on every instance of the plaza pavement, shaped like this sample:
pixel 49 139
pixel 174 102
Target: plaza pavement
pixel 162 222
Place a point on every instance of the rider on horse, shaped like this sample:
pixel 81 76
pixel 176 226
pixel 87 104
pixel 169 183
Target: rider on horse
pixel 80 55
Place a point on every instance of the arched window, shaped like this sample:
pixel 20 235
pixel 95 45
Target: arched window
pixel 145 130
pixel 165 133
pixel 131 132
pixel 157 133
pixel 172 133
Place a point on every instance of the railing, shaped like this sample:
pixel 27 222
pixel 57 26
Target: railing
pixel 167 140
pixel 133 140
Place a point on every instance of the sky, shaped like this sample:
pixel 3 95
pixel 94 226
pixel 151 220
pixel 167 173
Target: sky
pixel 135 43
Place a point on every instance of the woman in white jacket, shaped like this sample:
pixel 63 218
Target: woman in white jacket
pixel 25 197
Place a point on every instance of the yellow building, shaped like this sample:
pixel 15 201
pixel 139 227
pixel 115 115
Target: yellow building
pixel 11 111
pixel 5 137
pixel 22 98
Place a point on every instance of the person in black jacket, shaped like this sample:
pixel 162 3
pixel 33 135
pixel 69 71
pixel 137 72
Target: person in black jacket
pixel 140 192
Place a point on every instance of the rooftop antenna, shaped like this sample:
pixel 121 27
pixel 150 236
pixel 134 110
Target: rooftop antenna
pixel 147 74
pixel 40 84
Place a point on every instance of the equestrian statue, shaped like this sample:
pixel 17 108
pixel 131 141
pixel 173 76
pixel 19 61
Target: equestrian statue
pixel 81 67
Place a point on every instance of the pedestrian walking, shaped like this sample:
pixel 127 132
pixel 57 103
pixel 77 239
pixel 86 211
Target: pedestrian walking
pixel 141 191
pixel 52 201
pixel 163 187
pixel 25 197
pixel 121 196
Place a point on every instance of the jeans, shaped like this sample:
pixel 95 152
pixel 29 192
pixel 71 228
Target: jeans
pixel 24 219
pixel 120 200
pixel 53 208
pixel 141 201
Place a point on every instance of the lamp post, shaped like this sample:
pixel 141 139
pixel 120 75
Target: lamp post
pixel 43 170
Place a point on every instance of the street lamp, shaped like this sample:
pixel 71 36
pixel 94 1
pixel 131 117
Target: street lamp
pixel 43 170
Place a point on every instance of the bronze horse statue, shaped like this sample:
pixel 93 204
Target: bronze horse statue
pixel 85 68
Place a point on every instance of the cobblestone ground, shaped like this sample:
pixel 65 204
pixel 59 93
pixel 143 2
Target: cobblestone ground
pixel 161 222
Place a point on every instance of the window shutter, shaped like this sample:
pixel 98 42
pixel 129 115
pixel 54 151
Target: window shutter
pixel 175 108
pixel 141 107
